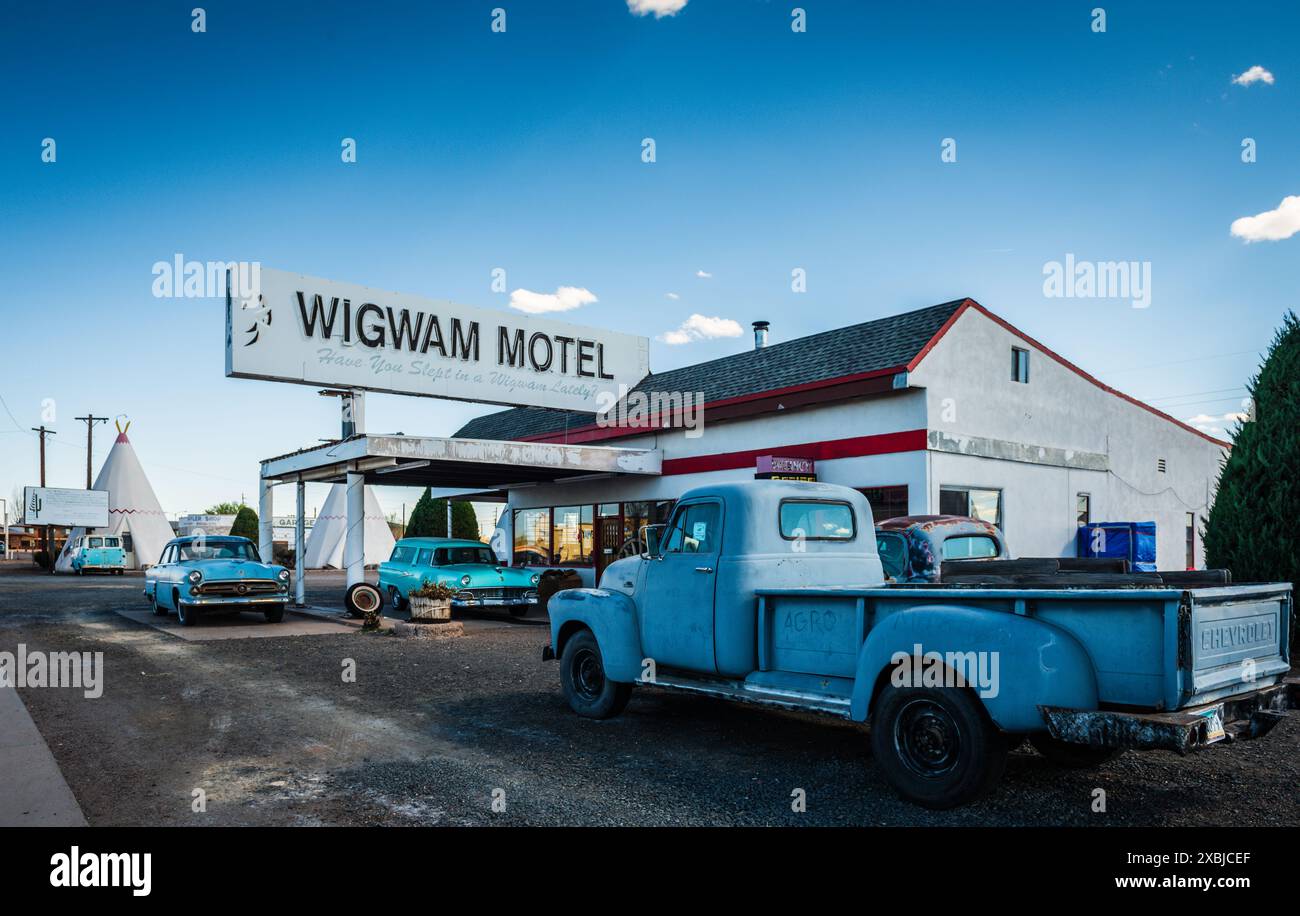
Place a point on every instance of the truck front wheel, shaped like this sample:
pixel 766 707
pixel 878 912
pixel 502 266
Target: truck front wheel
pixel 582 675
pixel 936 745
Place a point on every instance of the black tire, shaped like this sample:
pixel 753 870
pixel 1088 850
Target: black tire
pixel 362 598
pixel 1072 756
pixel 275 613
pixel 188 613
pixel 582 676
pixel 936 745
pixel 396 601
pixel 158 609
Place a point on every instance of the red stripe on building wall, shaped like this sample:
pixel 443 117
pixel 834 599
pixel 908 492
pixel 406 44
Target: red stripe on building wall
pixel 911 440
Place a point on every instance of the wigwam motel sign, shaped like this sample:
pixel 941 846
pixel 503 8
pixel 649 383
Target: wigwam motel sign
pixel 310 331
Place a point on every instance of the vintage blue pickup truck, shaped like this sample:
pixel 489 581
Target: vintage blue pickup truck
pixel 772 592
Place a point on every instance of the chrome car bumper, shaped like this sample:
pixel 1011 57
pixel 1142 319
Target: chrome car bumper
pixel 464 600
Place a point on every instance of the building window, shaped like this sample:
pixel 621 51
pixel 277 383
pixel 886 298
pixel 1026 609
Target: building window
pixel 1019 365
pixel 573 535
pixel 886 502
pixel 1083 509
pixel 532 537
pixel 1191 540
pixel 985 505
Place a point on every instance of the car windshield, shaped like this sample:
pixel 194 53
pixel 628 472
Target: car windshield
pixel 482 555
pixel 893 554
pixel 217 550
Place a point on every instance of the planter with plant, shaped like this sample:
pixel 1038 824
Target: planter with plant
pixel 431 601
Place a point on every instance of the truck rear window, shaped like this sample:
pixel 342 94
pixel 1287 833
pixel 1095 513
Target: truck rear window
pixel 816 521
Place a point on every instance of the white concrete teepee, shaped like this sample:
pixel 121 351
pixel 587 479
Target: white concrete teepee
pixel 133 509
pixel 328 535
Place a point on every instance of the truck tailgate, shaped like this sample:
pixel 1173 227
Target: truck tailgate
pixel 1232 637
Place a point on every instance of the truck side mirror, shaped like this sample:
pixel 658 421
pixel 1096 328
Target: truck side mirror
pixel 650 535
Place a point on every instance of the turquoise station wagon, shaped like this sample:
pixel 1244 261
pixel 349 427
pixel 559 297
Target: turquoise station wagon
pixel 470 567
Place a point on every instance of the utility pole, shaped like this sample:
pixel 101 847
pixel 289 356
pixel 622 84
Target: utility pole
pixel 90 422
pixel 45 531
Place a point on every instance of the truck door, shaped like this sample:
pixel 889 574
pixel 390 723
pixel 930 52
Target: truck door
pixel 677 615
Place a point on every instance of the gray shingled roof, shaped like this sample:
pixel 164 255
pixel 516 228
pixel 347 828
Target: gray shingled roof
pixel 871 345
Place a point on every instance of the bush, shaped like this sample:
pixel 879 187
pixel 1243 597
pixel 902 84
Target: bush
pixel 245 525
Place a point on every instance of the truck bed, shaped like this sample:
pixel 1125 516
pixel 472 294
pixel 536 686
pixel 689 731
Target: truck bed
pixel 1153 646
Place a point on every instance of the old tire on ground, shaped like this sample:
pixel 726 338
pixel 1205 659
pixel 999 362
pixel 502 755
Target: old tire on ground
pixel 188 613
pixel 275 613
pixel 582 675
pixel 362 598
pixel 936 746
pixel 1070 755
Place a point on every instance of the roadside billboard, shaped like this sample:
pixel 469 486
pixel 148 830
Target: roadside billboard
pixel 68 508
pixel 310 331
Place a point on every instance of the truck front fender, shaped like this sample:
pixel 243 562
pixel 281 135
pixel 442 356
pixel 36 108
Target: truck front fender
pixel 611 616
pixel 1028 663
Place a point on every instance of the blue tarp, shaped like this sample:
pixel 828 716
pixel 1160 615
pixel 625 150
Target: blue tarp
pixel 1133 541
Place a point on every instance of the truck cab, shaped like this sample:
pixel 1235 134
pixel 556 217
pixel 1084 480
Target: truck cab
pixel 772 592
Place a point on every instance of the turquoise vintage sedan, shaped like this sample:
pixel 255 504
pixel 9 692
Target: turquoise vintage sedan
pixel 470 567
pixel 201 575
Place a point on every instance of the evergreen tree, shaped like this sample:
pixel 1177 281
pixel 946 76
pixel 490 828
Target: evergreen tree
pixel 1251 529
pixel 421 522
pixel 245 525
pixel 464 521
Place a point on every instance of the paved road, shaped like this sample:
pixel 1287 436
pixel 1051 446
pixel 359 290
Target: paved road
pixel 432 732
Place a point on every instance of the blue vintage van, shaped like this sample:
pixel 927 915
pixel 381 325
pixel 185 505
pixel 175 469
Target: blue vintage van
pixel 98 553
pixel 470 567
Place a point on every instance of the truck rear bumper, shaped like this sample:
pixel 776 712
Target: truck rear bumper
pixel 1238 718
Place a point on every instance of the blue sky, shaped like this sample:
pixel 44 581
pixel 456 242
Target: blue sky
pixel 522 150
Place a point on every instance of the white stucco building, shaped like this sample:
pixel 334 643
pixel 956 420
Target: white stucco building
pixel 947 409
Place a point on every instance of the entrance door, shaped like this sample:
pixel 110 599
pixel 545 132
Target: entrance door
pixel 677 616
pixel 609 537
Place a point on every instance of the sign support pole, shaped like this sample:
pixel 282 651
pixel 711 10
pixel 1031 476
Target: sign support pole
pixel 299 542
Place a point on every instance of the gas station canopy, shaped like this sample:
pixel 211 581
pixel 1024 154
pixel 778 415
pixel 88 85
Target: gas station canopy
pixel 469 464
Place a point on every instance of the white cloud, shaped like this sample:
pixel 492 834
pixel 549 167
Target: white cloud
pixel 672 295
pixel 701 327
pixel 1255 74
pixel 1271 225
pixel 1217 426
pixel 704 274
pixel 563 299
pixel 660 8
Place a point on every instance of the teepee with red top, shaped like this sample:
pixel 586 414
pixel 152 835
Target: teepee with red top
pixel 134 513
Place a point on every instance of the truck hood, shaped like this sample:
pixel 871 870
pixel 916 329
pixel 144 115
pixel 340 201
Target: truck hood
pixel 621 575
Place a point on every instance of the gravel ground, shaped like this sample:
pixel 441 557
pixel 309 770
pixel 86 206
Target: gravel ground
pixel 440 732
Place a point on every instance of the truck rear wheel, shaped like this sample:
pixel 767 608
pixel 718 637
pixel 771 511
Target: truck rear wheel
pixel 936 745
pixel 582 675
pixel 1070 755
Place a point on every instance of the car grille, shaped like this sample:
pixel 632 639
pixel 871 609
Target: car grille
pixel 485 594
pixel 239 588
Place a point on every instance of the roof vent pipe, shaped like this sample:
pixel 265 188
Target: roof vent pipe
pixel 760 334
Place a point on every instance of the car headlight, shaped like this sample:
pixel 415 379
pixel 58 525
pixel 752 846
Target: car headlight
pixel 465 580
pixel 195 576
pixel 536 578
pixel 284 575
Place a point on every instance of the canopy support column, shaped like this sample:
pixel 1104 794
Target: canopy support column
pixel 354 548
pixel 300 546
pixel 265 513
